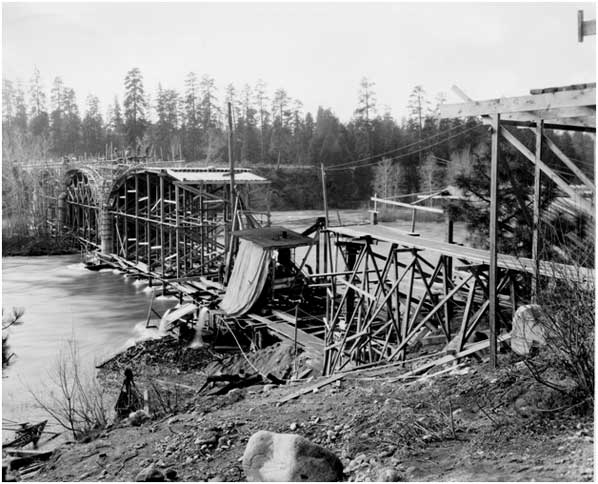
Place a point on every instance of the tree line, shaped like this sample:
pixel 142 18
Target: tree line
pixel 370 153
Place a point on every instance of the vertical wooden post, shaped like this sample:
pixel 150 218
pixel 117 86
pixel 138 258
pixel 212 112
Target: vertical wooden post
pixel 324 196
pixel 177 214
pixel 493 226
pixel 162 241
pixel 536 220
pixel 125 223
pixel 374 214
pixel 448 266
pixel 231 159
pixel 148 232
pixel 136 218
pixel 351 257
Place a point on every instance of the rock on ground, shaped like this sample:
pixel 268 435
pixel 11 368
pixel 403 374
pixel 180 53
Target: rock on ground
pixel 150 474
pixel 271 457
pixel 527 329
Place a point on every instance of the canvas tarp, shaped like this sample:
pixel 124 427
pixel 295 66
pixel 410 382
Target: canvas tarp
pixel 247 279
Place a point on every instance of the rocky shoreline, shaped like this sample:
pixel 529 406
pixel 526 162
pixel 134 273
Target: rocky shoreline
pixel 36 245
pixel 469 423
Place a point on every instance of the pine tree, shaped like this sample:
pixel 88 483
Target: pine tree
pixel 39 124
pixel 57 117
pixel 135 107
pixel 261 101
pixel 166 127
pixel 365 113
pixel 92 139
pixel 209 103
pixel 72 121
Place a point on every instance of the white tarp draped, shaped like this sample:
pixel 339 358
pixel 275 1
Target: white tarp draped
pixel 247 278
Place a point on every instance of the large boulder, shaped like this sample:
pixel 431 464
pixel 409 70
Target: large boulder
pixel 528 330
pixel 271 457
pixel 150 474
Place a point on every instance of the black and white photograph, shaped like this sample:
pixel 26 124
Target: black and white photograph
pixel 289 241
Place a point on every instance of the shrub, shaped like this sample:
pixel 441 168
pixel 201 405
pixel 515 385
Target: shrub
pixel 568 309
pixel 12 319
pixel 75 399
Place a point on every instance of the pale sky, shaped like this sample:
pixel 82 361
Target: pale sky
pixel 318 52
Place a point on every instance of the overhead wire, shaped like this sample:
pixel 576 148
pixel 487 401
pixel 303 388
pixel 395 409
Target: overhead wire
pixel 346 166
pixel 367 158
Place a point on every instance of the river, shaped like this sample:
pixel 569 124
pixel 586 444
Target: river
pixel 102 311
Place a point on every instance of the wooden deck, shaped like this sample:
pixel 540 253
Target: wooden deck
pixel 469 254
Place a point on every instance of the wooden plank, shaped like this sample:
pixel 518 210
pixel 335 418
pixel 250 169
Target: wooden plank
pixel 536 102
pixel 407 205
pixel 493 235
pixel 311 388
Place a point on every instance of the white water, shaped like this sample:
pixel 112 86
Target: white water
pixel 103 311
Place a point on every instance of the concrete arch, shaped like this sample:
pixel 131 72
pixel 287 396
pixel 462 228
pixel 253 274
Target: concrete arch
pixel 79 206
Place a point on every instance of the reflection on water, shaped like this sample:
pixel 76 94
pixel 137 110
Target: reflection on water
pixel 102 310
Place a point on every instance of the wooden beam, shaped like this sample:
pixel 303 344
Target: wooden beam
pixel 536 102
pixel 572 166
pixel 493 235
pixel 584 27
pixel 562 184
pixel 536 221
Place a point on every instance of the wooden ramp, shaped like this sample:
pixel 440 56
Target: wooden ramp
pixel 279 324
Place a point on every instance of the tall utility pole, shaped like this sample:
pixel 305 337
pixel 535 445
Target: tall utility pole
pixel 231 160
pixel 324 196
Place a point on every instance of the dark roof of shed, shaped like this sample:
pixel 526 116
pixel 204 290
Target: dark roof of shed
pixel 275 237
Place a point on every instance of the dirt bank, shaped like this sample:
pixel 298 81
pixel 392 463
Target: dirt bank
pixel 467 424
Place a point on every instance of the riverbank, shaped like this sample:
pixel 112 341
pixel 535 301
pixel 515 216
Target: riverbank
pixel 468 423
pixel 36 245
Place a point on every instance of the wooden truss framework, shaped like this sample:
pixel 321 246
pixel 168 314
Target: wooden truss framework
pixel 380 303
pixel 571 108
pixel 172 229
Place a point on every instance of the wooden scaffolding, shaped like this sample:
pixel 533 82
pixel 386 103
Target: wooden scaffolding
pixel 568 108
pixel 176 223
pixel 389 289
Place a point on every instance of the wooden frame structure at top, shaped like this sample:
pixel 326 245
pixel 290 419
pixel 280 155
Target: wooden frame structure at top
pixel 568 108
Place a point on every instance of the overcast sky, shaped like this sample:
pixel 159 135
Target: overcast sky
pixel 318 52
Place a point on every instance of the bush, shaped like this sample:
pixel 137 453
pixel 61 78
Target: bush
pixel 568 309
pixel 14 318
pixel 76 400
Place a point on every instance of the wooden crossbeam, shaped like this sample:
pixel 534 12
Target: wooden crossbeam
pixel 562 184
pixel 540 103
pixel 572 166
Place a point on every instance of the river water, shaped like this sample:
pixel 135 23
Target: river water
pixel 102 311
